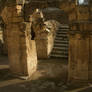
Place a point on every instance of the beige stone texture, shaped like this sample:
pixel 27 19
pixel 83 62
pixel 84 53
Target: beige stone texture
pixel 44 33
pixel 21 50
pixel 45 44
pixel 80 52
pixel 42 46
pixel 82 13
pixel 51 39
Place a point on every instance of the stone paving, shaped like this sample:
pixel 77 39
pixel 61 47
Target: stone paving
pixel 51 76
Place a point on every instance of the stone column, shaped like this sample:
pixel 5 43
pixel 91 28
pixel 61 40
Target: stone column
pixel 80 52
pixel 78 55
pixel 21 50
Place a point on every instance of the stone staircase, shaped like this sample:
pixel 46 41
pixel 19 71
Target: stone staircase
pixel 60 49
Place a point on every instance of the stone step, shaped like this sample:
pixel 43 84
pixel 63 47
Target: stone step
pixel 60 45
pixel 60 48
pixel 59 56
pixel 60 41
pixel 61 35
pixel 62 27
pixel 62 32
pixel 62 38
pixel 60 52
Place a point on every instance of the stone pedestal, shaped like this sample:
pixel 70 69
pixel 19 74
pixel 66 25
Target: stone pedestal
pixel 80 52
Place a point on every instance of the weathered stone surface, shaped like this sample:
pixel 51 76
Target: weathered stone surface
pixel 79 57
pixel 44 34
pixel 80 13
pixel 41 45
pixel 80 52
pixel 21 50
pixel 80 61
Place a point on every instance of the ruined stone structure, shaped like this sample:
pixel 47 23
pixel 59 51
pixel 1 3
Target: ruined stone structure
pixel 44 34
pixel 80 49
pixel 21 50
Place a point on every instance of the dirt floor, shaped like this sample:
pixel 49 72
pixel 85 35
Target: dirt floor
pixel 51 76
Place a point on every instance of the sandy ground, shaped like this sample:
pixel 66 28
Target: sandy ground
pixel 51 76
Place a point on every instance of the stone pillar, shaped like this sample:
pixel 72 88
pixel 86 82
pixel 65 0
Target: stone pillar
pixel 80 52
pixel 21 50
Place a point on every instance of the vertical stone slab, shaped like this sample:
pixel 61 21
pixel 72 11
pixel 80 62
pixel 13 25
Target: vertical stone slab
pixel 78 58
pixel 32 58
pixel 21 50
pixel 80 28
pixel 72 58
pixel 82 57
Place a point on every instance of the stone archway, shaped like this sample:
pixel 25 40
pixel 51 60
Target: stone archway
pixel 21 50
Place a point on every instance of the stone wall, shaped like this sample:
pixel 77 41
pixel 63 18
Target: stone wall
pixel 57 14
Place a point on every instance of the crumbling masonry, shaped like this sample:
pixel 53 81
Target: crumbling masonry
pixel 21 50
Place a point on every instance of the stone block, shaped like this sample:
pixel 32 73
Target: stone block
pixel 42 48
pixel 21 51
pixel 82 13
pixel 72 16
pixel 78 58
